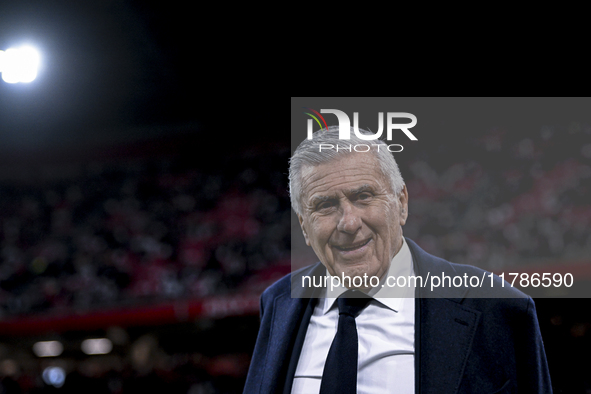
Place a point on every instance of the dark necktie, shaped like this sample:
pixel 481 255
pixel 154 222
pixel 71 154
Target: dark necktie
pixel 340 371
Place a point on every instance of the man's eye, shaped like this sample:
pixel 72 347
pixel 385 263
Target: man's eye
pixel 364 196
pixel 324 205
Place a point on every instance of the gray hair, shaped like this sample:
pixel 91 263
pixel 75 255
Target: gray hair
pixel 307 154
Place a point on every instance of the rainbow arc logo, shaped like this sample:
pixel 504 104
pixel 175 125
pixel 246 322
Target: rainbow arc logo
pixel 316 119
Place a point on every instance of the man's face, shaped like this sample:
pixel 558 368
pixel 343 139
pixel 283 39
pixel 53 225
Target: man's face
pixel 351 217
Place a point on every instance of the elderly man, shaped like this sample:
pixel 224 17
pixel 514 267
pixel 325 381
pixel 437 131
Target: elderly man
pixel 368 336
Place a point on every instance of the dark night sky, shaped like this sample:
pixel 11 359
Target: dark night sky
pixel 110 70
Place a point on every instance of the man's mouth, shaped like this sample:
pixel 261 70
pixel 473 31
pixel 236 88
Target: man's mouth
pixel 349 248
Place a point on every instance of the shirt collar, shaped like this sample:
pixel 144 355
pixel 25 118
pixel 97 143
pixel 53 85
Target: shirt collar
pixel 391 297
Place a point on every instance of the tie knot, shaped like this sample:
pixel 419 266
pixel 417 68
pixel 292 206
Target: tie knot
pixel 352 302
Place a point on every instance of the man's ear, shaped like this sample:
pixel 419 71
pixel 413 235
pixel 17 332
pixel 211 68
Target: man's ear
pixel 304 229
pixel 403 200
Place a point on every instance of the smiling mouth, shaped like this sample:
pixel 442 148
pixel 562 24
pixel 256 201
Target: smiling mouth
pixel 350 248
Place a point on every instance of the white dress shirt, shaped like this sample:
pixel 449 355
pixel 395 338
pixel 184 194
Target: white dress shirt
pixel 386 337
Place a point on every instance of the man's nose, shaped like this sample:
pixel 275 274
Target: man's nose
pixel 350 221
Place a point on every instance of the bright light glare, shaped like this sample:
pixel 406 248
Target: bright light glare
pixel 19 64
pixel 97 346
pixel 54 376
pixel 48 348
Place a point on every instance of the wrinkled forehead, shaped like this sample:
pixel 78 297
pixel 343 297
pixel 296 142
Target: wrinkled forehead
pixel 346 174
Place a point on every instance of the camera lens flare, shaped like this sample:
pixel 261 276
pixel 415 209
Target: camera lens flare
pixel 54 376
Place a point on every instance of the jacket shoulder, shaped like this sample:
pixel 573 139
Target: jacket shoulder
pixel 475 282
pixel 283 286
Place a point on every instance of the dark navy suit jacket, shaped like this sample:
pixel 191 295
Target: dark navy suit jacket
pixel 462 344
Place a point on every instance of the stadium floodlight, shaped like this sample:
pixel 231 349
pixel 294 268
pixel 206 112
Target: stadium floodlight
pixel 97 346
pixel 19 64
pixel 48 348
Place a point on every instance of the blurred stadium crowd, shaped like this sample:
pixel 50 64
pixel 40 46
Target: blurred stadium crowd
pixel 512 200
pixel 143 230
pixel 135 231
pixel 83 237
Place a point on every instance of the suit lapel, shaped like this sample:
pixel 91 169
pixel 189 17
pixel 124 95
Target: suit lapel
pixel 444 330
pixel 287 313
pixel 298 344
pixel 288 330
